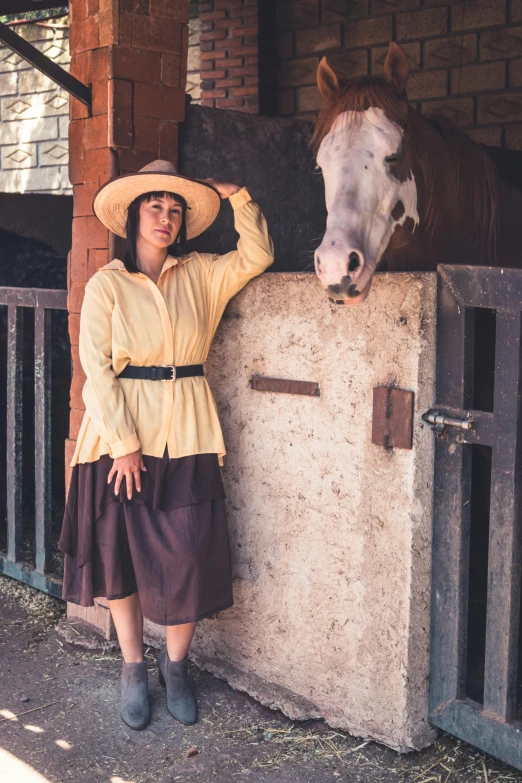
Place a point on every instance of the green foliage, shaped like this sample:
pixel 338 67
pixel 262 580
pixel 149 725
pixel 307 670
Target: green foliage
pixel 34 15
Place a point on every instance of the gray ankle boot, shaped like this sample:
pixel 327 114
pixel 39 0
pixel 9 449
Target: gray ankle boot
pixel 135 707
pixel 173 675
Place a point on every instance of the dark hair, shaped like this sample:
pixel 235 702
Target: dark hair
pixel 131 228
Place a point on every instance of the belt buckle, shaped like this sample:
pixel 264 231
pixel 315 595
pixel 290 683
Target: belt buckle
pixel 170 367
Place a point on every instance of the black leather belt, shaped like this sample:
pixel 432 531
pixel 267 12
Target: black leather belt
pixel 163 372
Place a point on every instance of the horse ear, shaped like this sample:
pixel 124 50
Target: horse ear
pixel 396 68
pixel 327 80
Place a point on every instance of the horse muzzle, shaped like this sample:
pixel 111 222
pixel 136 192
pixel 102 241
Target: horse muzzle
pixel 342 274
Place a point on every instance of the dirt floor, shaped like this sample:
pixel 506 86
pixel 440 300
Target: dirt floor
pixel 59 721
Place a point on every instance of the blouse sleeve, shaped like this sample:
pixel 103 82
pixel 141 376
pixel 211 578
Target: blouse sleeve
pixel 254 253
pixel 102 393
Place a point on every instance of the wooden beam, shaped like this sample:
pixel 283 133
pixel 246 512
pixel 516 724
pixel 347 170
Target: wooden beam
pixel 21 6
pixel 35 57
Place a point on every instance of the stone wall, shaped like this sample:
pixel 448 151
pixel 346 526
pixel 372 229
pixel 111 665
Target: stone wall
pixel 330 534
pixel 34 116
pixel 465 57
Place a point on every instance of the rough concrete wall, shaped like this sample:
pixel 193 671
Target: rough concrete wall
pixel 330 535
pixel 34 116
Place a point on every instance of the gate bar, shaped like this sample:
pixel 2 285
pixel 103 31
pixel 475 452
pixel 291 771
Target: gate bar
pixel 42 437
pixel 503 601
pixel 15 330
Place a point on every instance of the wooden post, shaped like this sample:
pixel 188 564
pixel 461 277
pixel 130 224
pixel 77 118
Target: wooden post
pixel 134 55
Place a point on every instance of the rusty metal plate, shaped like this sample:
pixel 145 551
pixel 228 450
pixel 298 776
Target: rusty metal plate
pixel 392 424
pixel 283 386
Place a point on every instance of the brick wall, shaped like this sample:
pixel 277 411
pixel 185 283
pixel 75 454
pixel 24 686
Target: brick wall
pixel 229 51
pixel 34 117
pixel 465 57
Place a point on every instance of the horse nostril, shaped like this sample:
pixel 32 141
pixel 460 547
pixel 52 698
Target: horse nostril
pixel 355 262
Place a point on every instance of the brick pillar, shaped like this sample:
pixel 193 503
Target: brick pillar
pixel 134 54
pixel 229 51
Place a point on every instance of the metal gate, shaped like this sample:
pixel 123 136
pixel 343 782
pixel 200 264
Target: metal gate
pixel 475 671
pixel 11 563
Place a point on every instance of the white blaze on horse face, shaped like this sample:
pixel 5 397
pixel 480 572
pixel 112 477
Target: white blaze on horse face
pixel 361 193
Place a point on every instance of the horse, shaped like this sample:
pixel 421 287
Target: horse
pixel 405 192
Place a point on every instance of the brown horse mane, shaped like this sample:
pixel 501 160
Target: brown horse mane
pixel 472 178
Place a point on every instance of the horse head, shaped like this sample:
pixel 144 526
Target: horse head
pixel 371 193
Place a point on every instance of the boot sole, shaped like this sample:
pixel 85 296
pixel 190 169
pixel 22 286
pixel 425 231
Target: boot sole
pixel 135 728
pixel 164 685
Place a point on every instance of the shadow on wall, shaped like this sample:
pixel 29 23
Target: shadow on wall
pixel 272 158
pixel 38 216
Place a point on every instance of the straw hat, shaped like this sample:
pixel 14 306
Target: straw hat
pixel 113 199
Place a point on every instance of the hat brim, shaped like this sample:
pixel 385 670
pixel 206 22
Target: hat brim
pixel 112 201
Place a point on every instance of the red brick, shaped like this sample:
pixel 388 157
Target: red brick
pixel 132 160
pixel 109 23
pixel 427 84
pixel 285 102
pixel 421 24
pixel 252 60
pixel 297 72
pixel 77 109
pixel 78 257
pixel 231 62
pixel 74 328
pixel 75 423
pixel 79 10
pixel 139 65
pixel 237 92
pixel 457 50
pixel 243 50
pixel 213 35
pixel 319 39
pixel 497 44
pixel 162 35
pixel 214 94
pixel 92 7
pixel 81 66
pixel 227 43
pixel 125 31
pixel 146 133
pixel 224 83
pixel 229 103
pixel 100 65
pixel 168 141
pixel 83 196
pixel 76 151
pixel 387 6
pixel 84 35
pixel 367 32
pixel 96 259
pixel 178 11
pixel 207 102
pixel 98 165
pixel 478 78
pixel 212 55
pixel 97 234
pixel 96 132
pixel 457 110
pixel 515 73
pixel 206 26
pixel 479 13
pixel 503 107
pixel 210 16
pixel 120 113
pixel 206 46
pixel 171 70
pixel 297 14
pixel 242 70
pixel 514 138
pixel 75 296
pixel 491 136
pixel 238 32
pixel 154 100
pixel 100 97
pixel 251 81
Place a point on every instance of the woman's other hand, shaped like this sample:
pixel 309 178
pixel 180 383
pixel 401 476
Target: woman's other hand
pixel 225 189
pixel 128 468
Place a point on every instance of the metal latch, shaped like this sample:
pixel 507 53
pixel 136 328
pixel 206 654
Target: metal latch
pixel 439 421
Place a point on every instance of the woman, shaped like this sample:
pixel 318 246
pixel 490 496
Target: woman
pixel 145 521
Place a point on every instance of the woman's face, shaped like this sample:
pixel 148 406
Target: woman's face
pixel 159 221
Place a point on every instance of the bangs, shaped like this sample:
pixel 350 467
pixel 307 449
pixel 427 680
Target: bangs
pixel 157 194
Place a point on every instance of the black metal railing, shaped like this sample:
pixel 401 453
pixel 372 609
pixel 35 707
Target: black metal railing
pixel 43 301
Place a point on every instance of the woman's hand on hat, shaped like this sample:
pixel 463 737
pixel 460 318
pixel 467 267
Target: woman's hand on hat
pixel 128 468
pixel 225 189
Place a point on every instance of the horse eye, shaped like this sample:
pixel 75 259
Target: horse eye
pixel 392 158
pixel 318 169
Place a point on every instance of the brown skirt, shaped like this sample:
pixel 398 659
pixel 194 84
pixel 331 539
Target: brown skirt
pixel 169 543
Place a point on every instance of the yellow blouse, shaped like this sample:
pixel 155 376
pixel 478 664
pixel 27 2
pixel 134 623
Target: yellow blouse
pixel 127 319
